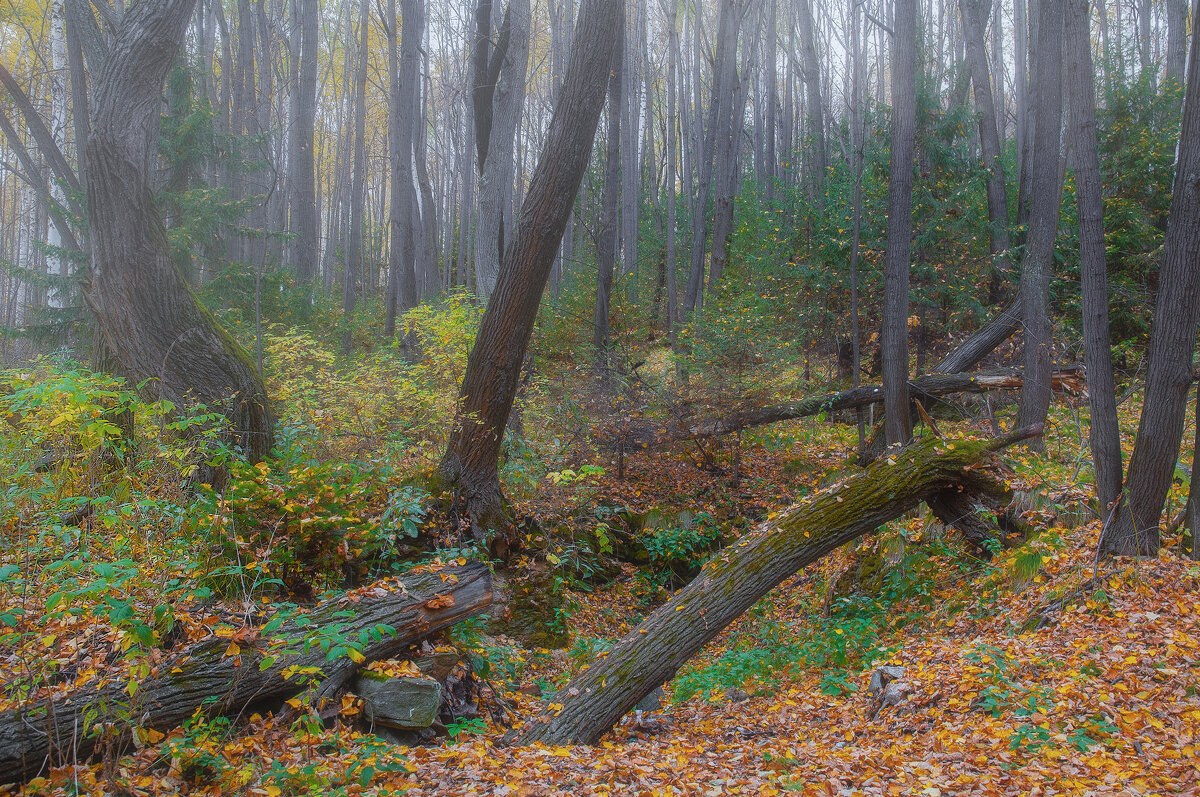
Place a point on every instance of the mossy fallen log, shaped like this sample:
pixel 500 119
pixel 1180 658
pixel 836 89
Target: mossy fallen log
pixel 636 434
pixel 254 667
pixel 743 572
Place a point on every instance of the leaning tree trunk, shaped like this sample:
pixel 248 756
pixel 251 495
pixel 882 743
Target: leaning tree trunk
pixel 160 334
pixel 650 434
pixel 393 614
pixel 737 576
pixel 1172 341
pixel 470 464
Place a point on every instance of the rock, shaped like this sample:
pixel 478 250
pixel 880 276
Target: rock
pixel 883 676
pixel 736 695
pixel 438 665
pixel 895 693
pixel 531 689
pixel 652 701
pixel 402 703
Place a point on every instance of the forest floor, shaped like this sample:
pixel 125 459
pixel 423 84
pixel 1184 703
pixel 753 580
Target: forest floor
pixel 1022 674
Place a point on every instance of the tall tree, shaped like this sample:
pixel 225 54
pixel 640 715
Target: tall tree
pixel 606 240
pixel 1172 343
pixel 1177 22
pixel 1046 198
pixel 974 12
pixel 470 464
pixel 405 73
pixel 1093 277
pixel 354 258
pixel 161 336
pixel 894 328
pixel 814 105
pixel 303 221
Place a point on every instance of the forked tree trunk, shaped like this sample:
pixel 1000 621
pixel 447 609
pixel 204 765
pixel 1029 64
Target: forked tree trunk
pixel 393 614
pixel 470 464
pixel 1172 342
pixel 973 17
pixel 149 318
pixel 737 576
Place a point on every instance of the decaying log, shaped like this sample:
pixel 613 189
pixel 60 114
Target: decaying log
pixel 385 618
pixel 648 434
pixel 743 572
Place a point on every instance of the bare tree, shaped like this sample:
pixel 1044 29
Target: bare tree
pixel 1172 343
pixel 894 328
pixel 470 464
pixel 1046 198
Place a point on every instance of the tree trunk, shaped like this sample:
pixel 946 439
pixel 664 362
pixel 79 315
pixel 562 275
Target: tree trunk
pixel 405 70
pixel 606 243
pixel 810 68
pixel 496 176
pixel 242 674
pixel 671 191
pixel 1177 20
pixel 973 17
pixel 1037 265
pixel 1103 429
pixel 149 318
pixel 354 259
pixel 894 327
pixel 737 576
pixel 493 368
pixel 1172 342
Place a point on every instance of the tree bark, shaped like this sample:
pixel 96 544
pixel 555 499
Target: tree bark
pixel 1172 342
pixel 894 327
pixel 1177 20
pixel 161 335
pixel 810 68
pixel 1103 429
pixel 1037 265
pixel 399 612
pixel 405 68
pixel 493 368
pixel 737 576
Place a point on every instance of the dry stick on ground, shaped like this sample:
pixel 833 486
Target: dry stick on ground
pixel 648 434
pixel 743 572
pixel 391 614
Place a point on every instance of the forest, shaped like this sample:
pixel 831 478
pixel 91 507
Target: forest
pixel 599 397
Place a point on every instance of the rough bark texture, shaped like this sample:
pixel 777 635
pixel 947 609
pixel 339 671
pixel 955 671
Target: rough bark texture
pixel 493 368
pixel 653 434
pixel 1172 341
pixel 894 328
pixel 158 331
pixel 985 340
pixel 416 606
pixel 1046 185
pixel 736 577
pixel 1103 430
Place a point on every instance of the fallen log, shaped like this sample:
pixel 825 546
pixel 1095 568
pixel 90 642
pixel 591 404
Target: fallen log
pixel 382 619
pixel 736 577
pixel 649 434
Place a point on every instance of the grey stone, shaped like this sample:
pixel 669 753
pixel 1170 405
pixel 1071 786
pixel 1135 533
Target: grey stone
pixel 403 703
pixel 437 666
pixel 652 701
pixel 883 676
